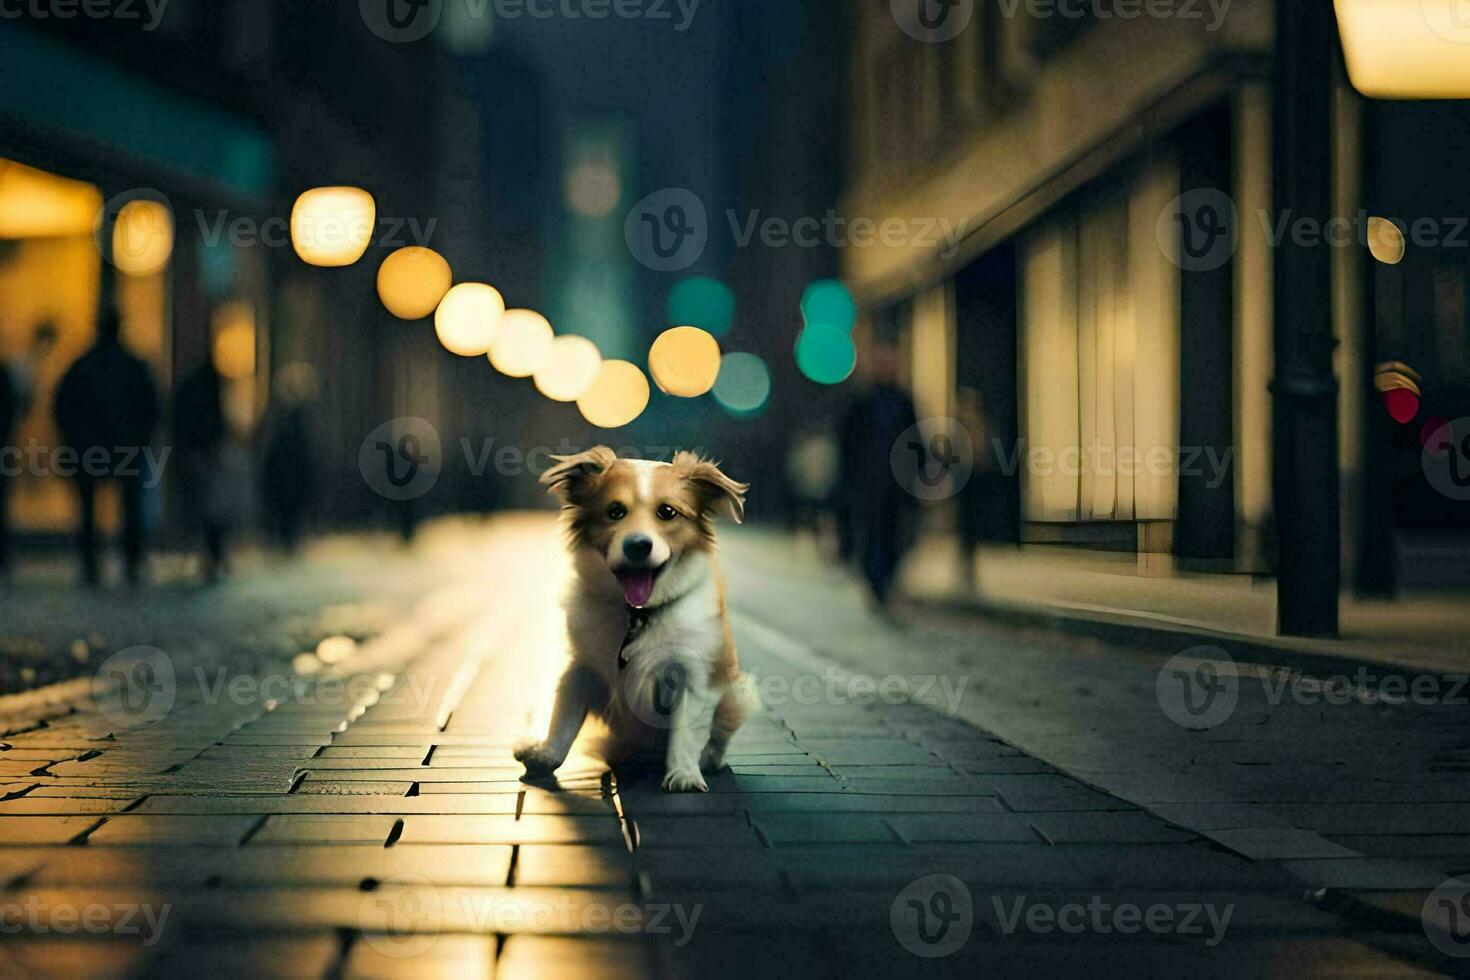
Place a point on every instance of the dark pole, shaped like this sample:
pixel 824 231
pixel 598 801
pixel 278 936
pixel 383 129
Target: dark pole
pixel 1304 390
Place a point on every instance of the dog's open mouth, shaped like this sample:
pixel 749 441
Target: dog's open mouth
pixel 637 584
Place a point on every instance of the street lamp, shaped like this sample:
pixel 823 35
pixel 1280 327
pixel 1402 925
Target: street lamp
pixel 1406 49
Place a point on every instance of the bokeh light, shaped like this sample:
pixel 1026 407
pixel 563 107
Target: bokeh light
pixel 619 395
pixel 685 361
pixel 570 368
pixel 234 341
pixel 412 281
pixel 593 190
pixel 467 318
pixel 825 354
pixel 830 302
pixel 142 237
pixel 333 226
pixel 744 384
pixel 703 302
pixel 522 343
pixel 1385 241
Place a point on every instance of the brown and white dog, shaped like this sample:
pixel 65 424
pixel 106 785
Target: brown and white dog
pixel 652 650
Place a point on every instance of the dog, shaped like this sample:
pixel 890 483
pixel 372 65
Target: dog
pixel 652 651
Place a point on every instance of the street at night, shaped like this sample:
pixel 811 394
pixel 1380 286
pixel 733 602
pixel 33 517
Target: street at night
pixel 734 488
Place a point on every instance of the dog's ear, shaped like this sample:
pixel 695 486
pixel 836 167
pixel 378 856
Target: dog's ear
pixel 716 491
pixel 569 475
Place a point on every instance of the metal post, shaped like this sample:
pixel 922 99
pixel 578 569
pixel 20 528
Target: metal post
pixel 1304 390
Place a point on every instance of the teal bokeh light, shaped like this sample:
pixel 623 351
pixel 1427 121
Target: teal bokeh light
pixel 744 384
pixel 702 302
pixel 830 302
pixel 825 354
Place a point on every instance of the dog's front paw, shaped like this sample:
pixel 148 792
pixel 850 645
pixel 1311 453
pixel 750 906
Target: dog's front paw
pixel 538 758
pixel 712 759
pixel 684 781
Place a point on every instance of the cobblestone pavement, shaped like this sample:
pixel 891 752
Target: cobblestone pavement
pixel 361 816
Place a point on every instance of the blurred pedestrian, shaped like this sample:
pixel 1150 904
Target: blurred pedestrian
pixel 979 497
pixel 107 410
pixel 17 394
pixel 201 435
pixel 881 512
pixel 288 479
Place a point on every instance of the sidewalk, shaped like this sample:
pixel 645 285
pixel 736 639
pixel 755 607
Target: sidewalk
pixel 366 819
pixel 1125 596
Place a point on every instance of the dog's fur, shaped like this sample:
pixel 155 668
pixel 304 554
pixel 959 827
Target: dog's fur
pixel 667 678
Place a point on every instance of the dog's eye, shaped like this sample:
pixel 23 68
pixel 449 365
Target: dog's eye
pixel 617 512
pixel 666 513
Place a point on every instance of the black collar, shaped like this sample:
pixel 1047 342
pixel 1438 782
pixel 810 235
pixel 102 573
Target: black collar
pixel 638 621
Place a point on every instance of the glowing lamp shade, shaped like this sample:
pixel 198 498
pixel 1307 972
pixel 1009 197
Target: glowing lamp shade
pixel 618 395
pixel 825 354
pixel 467 318
pixel 570 369
pixel 412 281
pixel 142 238
pixel 1385 241
pixel 744 384
pixel 829 302
pixel 522 343
pixel 703 302
pixel 1402 405
pixel 685 361
pixel 333 226
pixel 1406 49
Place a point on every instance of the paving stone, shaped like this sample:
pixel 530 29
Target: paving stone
pixel 578 958
pixel 997 827
pixel 1276 845
pixel 404 957
pixel 1365 873
pixel 30 956
pixel 533 829
pixel 816 828
pixel 127 828
pixel 680 869
pixel 414 752
pixel 250 958
pixel 572 866
pixel 319 786
pixel 870 803
pixel 60 806
pixel 1406 845
pixel 1097 827
pixel 421 774
pixel 43 830
pixel 701 832
pixel 300 828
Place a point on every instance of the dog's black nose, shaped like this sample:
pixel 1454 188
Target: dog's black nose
pixel 637 547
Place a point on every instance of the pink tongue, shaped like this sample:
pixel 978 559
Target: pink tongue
pixel 637 587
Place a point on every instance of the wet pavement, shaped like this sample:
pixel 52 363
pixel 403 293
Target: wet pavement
pixel 355 811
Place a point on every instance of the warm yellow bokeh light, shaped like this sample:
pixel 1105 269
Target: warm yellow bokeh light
pixel 1406 49
pixel 143 237
pixel 234 341
pixel 1385 241
pixel 522 343
pixel 468 317
pixel 37 204
pixel 685 361
pixel 412 281
pixel 593 189
pixel 617 397
pixel 333 226
pixel 570 368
